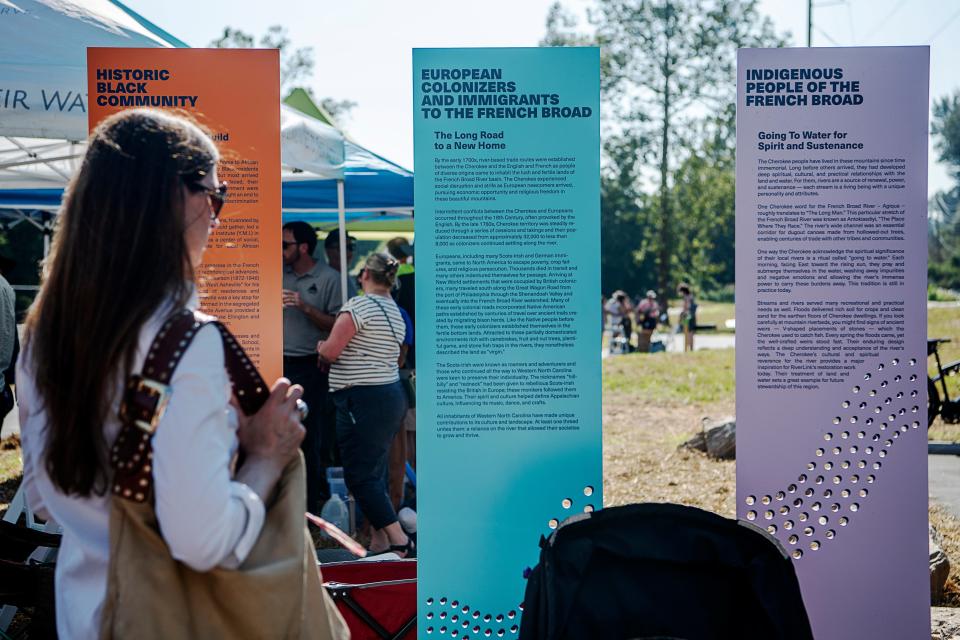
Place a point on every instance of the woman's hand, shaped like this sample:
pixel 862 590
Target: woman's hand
pixel 270 438
pixel 275 430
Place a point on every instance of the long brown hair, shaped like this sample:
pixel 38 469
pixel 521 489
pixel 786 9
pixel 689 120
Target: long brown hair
pixel 118 253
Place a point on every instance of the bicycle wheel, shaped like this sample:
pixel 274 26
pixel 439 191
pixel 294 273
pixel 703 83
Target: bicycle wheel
pixel 933 402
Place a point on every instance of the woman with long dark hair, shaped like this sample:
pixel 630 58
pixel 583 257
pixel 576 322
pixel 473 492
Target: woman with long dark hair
pixel 129 239
pixel 363 351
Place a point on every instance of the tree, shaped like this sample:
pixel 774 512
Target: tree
pixel 296 65
pixel 702 194
pixel 946 129
pixel 943 239
pixel 944 219
pixel 666 67
pixel 622 264
pixel 338 109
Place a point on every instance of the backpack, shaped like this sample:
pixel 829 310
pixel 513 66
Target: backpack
pixel 662 571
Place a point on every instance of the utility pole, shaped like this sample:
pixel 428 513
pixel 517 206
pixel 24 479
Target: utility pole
pixel 809 22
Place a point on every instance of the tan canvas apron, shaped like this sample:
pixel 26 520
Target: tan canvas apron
pixel 275 593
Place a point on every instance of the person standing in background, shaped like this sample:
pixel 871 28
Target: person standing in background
pixel 363 350
pixel 688 316
pixel 311 301
pixel 648 315
pixel 617 310
pixel 404 443
pixel 8 340
pixel 331 246
pixel 404 293
pixel 627 321
pixel 329 448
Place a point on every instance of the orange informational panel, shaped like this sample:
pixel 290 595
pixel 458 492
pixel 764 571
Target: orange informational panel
pixel 235 95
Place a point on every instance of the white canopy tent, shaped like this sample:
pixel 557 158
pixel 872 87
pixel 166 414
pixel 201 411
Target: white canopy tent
pixel 43 50
pixel 43 118
pixel 43 110
pixel 34 171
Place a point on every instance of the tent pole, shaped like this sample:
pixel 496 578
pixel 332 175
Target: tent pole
pixel 342 220
pixel 47 233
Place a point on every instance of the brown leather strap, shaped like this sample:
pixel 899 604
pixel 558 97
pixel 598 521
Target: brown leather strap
pixel 147 394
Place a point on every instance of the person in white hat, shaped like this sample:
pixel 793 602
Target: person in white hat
pixel 648 315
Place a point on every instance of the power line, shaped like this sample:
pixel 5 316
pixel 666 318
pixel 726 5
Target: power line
pixel 943 27
pixel 810 26
pixel 853 34
pixel 873 31
pixel 827 36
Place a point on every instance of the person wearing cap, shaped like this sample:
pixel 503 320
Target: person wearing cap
pixel 311 301
pixel 648 315
pixel 331 246
pixel 404 294
pixel 404 445
pixel 402 251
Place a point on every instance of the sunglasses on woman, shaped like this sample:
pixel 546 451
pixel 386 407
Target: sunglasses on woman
pixel 217 197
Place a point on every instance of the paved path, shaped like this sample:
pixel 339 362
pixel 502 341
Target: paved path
pixel 944 477
pixel 674 342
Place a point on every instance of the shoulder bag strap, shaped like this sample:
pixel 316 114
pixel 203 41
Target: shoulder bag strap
pixel 147 394
pixel 387 318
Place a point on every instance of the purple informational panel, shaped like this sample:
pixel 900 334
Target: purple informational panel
pixel 831 327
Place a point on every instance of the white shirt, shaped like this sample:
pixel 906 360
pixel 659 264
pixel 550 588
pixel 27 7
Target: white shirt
pixel 205 517
pixel 615 309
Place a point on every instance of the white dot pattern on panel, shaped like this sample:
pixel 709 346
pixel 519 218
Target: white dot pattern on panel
pixel 885 406
pixel 454 619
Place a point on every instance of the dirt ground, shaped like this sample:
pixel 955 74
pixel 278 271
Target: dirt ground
pixel 642 463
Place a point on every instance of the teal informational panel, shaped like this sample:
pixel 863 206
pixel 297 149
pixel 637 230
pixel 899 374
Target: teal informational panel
pixel 507 155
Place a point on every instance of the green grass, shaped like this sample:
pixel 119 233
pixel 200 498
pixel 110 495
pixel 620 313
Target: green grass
pixel 10 458
pixel 939 294
pixel 716 313
pixel 704 377
pixel 700 377
pixel 944 322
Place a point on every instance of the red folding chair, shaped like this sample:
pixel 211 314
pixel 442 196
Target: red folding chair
pixel 378 599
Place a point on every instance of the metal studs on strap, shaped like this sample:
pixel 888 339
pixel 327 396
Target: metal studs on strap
pixel 144 402
pixel 146 397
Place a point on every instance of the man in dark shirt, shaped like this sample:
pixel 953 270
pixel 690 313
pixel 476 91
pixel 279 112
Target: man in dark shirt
pixel 405 293
pixel 331 246
pixel 311 300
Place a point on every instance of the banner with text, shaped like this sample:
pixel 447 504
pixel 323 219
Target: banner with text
pixel 507 151
pixel 233 93
pixel 831 319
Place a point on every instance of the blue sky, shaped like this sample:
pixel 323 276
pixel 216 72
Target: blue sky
pixel 363 47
